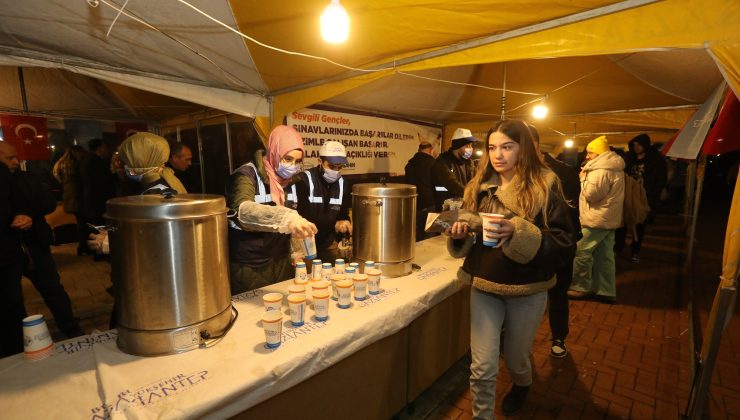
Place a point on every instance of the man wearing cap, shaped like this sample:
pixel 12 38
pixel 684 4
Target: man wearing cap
pixel 323 201
pixel 454 168
pixel 600 208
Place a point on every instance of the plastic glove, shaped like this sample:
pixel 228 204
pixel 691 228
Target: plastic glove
pixel 99 242
pixel 343 226
pixel 301 228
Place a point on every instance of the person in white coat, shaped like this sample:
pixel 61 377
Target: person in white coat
pixel 600 208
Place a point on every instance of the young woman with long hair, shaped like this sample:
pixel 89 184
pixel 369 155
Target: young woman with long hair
pixel 510 280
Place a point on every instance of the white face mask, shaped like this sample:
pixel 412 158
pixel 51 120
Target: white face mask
pixel 331 176
pixel 467 153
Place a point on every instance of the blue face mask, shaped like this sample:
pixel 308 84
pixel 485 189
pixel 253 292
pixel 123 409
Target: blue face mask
pixel 331 176
pixel 467 153
pixel 286 170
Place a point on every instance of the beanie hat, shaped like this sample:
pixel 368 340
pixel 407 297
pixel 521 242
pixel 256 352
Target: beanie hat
pixel 598 145
pixel 462 137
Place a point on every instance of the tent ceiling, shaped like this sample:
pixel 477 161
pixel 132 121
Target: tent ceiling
pixel 177 44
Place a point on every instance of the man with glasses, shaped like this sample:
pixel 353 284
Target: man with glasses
pixel 322 199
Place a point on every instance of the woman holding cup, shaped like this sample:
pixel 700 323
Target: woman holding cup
pixel 526 230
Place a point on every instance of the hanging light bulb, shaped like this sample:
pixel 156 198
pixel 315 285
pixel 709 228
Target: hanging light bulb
pixel 539 111
pixel 568 144
pixel 334 23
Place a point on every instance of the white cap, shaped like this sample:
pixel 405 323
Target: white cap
pixel 463 134
pixel 333 151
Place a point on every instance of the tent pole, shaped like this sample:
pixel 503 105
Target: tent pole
pixel 695 212
pixel 22 82
pixel 200 157
pixel 228 144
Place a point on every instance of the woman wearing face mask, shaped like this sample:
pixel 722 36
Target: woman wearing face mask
pixel 322 199
pixel 259 238
pixel 510 279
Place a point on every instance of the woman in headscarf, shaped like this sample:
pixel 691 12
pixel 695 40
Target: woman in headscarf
pixel 143 156
pixel 259 238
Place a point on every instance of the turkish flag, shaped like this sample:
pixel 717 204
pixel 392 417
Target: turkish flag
pixel 29 135
pixel 724 136
pixel 126 129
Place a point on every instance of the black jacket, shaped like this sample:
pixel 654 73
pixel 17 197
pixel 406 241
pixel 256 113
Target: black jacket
pixel 451 174
pixel 325 214
pixel 571 189
pixel 419 173
pixel 40 201
pixel 98 186
pixel 10 205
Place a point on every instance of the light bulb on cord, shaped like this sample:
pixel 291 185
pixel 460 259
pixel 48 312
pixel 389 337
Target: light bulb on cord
pixel 569 143
pixel 334 23
pixel 539 111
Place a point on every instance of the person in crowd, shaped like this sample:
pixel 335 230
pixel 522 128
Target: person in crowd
pixel 645 164
pixel 181 158
pixel 454 168
pixel 600 207
pixel 676 185
pixel 259 237
pixel 14 219
pixel 39 264
pixel 143 156
pixel 323 199
pixel 419 173
pixel 510 281
pixel 67 172
pixel 97 183
pixel 558 310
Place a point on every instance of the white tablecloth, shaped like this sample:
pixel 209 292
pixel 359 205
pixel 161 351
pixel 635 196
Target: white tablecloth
pixel 89 377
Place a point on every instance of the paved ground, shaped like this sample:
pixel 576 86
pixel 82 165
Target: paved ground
pixel 629 360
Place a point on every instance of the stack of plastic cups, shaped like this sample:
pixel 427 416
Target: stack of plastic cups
pixel 373 281
pixel 344 288
pixel 300 272
pixel 360 283
pixel 339 266
pixel 334 279
pixel 316 270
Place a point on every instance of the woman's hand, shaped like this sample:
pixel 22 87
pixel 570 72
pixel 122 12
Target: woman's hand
pixel 301 228
pixel 503 230
pixel 459 230
pixel 99 242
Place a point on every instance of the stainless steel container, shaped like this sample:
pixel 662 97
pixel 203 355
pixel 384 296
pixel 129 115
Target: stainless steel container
pixel 384 226
pixel 170 269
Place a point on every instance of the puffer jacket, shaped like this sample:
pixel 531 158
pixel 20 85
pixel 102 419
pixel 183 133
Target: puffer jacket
pixel 602 192
pixel 526 263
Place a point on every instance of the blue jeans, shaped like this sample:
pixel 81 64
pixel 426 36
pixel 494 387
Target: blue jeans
pixel 521 316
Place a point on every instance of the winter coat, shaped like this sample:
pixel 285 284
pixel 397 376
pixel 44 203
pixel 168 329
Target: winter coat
pixel 40 201
pixel 526 263
pixel 651 170
pixel 10 206
pixel 450 175
pixel 602 192
pixel 571 189
pixel 419 173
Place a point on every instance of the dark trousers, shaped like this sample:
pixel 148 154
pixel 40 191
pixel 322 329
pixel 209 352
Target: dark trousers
pixel 620 237
pixel 12 310
pixel 42 271
pixel 558 296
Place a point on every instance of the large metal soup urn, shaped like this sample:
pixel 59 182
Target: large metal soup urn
pixel 384 226
pixel 169 259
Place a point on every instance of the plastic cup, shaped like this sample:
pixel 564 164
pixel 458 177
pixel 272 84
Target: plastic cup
pixel 334 279
pixel 360 281
pixel 326 271
pixel 316 269
pixel 368 264
pixel 309 247
pixel 37 343
pixel 339 266
pixel 297 305
pixel 300 272
pixel 273 301
pixel 297 290
pixel 344 290
pixel 321 305
pixel 321 285
pixel 486 222
pixel 373 281
pixel 272 322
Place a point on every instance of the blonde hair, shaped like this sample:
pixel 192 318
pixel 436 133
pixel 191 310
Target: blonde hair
pixel 530 168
